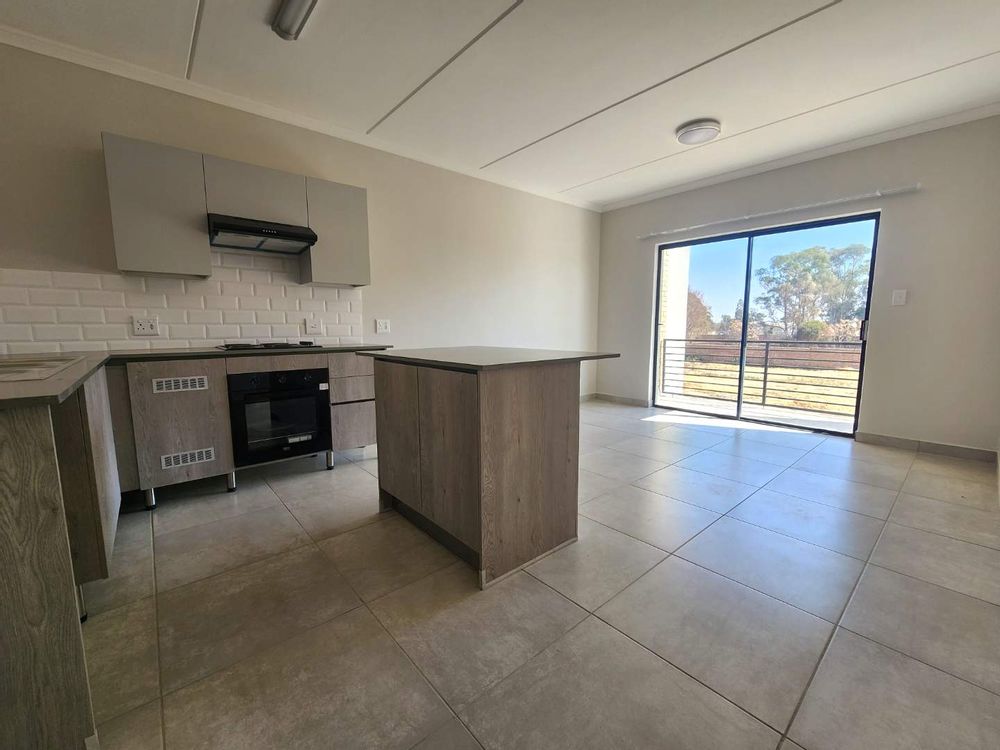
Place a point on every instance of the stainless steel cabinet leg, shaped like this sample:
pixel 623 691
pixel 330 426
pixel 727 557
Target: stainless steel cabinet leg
pixel 150 498
pixel 231 482
pixel 329 459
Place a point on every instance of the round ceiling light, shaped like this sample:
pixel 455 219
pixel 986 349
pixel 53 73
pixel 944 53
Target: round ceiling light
pixel 698 131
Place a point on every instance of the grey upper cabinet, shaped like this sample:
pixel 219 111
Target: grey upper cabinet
pixel 339 216
pixel 157 207
pixel 234 188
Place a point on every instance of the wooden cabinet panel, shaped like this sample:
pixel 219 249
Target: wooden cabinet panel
pixel 275 363
pixel 349 364
pixel 121 424
pixel 397 425
pixel 88 473
pixel 339 216
pixel 352 425
pixel 174 422
pixel 238 189
pixel 157 207
pixel 360 388
pixel 449 452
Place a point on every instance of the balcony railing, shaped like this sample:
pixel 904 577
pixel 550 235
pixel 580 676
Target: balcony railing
pixel 816 376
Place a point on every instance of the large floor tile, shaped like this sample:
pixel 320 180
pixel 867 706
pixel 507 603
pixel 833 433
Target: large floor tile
pixel 200 551
pixel 633 425
pixel 138 729
pixel 853 470
pixel 464 639
pixel 622 467
pixel 655 449
pixel 700 439
pixel 591 485
pixel 785 437
pixel 952 489
pixel 957 565
pixel 753 649
pixel 734 468
pixel 384 556
pixel 984 472
pixel 597 566
pixel 652 518
pixel 452 735
pixel 697 488
pixel 840 493
pixel 748 447
pixel 594 436
pixel 803 575
pixel 131 571
pixel 867 696
pixel 840 530
pixel 332 502
pixel 595 688
pixel 878 454
pixel 941 627
pixel 210 624
pixel 961 522
pixel 194 503
pixel 120 648
pixel 342 684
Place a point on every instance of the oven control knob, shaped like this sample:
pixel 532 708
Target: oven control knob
pixel 282 378
pixel 307 378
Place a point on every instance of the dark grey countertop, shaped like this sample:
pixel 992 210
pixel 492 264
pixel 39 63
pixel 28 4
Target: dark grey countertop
pixel 58 387
pixel 476 358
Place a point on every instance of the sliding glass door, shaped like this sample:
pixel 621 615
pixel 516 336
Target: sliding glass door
pixel 767 325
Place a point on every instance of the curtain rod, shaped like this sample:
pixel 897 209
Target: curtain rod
pixel 889 192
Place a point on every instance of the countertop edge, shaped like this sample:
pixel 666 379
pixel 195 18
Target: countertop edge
pixel 473 367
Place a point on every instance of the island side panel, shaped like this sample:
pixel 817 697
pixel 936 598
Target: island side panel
pixel 530 443
pixel 449 452
pixel 397 419
pixel 43 679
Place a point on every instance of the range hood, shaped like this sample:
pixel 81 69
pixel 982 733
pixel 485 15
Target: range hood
pixel 264 236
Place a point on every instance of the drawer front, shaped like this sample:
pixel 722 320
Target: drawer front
pixel 349 364
pixel 360 388
pixel 275 362
pixel 352 425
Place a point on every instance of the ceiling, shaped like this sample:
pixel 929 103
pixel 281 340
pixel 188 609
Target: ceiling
pixel 572 99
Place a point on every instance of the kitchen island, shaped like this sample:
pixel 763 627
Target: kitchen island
pixel 479 446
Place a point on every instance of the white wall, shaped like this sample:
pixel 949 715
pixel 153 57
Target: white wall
pixel 931 369
pixel 455 260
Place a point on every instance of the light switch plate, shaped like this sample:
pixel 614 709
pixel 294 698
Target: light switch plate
pixel 898 297
pixel 381 325
pixel 314 326
pixel 145 326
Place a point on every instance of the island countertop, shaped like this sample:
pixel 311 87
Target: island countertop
pixel 477 358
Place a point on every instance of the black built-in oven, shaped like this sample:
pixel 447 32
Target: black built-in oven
pixel 278 415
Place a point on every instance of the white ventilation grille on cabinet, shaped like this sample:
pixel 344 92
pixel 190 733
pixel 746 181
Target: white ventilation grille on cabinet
pixel 186 383
pixel 187 458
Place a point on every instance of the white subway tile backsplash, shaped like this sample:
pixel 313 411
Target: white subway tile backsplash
pixel 247 298
pixel 76 280
pixel 103 299
pixel 29 315
pixel 21 277
pixel 48 297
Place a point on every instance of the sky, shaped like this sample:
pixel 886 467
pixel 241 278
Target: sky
pixel 718 269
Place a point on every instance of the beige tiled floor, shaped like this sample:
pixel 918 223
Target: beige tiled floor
pixel 733 586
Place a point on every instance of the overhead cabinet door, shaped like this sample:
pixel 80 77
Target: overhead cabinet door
pixel 339 216
pixel 233 188
pixel 157 207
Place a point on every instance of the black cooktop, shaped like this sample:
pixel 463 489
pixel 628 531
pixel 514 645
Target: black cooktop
pixel 269 345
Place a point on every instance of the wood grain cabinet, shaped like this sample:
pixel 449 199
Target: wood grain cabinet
pixel 398 427
pixel 180 414
pixel 352 400
pixel 88 473
pixel 157 198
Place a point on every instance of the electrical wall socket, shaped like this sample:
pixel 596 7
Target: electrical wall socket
pixel 145 326
pixel 381 325
pixel 314 326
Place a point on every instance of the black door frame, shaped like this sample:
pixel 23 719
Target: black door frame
pixel 749 236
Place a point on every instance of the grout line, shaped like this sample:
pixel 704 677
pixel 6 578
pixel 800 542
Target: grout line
pixel 156 625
